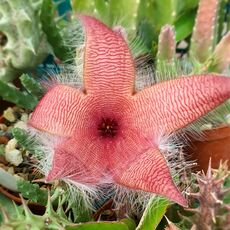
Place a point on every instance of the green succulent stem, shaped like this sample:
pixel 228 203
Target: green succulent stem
pixel 203 37
pixel 53 31
pixel 11 94
pixel 22 138
pixel 31 85
pixel 24 44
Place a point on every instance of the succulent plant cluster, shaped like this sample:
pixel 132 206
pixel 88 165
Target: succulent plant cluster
pixel 58 219
pixel 23 44
pixel 212 210
pixel 25 219
pixel 28 33
pixel 209 48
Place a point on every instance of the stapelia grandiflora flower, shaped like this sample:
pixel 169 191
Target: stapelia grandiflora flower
pixel 109 132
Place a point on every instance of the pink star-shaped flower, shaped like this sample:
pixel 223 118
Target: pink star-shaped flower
pixel 110 132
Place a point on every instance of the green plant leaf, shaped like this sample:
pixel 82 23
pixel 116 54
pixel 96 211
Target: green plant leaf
pixel 130 223
pixel 8 181
pixel 220 20
pixel 227 186
pixel 22 138
pixel 123 12
pixel 32 192
pixel 52 31
pixel 84 6
pixel 81 213
pixel 111 12
pixel 12 94
pixel 8 206
pixel 31 85
pixel 151 16
pixel 26 142
pixel 181 7
pixel 102 7
pixel 99 226
pixel 184 25
pixel 153 213
pixel 156 13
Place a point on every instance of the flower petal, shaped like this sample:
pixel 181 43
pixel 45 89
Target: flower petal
pixel 108 65
pixel 80 159
pixel 149 172
pixel 59 111
pixel 171 105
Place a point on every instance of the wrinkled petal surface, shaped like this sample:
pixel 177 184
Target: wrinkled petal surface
pixel 171 105
pixel 108 132
pixel 60 111
pixel 82 160
pixel 108 64
pixel 149 172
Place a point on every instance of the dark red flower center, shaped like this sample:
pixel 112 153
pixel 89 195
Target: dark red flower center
pixel 108 127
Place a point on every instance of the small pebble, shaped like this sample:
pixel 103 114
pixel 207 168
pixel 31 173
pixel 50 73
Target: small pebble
pixel 14 157
pixel 11 170
pixel 21 125
pixel 24 117
pixel 9 115
pixel 22 176
pixel 3 127
pixel 19 177
pixel 11 145
pixel 182 45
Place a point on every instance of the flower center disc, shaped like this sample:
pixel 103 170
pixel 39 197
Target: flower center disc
pixel 107 127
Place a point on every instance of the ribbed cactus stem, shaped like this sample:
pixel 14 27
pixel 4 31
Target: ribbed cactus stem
pixel 28 220
pixel 23 44
pixel 211 213
pixel 53 32
pixel 166 53
pixel 4 215
pixel 166 45
pixel 26 209
pixel 12 94
pixel 23 139
pixel 220 60
pixel 31 85
pixel 202 41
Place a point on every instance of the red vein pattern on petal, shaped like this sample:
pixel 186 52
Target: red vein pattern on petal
pixel 59 111
pixel 149 172
pixel 80 158
pixel 171 105
pixel 108 64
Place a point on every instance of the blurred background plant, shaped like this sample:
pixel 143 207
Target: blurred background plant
pixel 209 198
pixel 29 34
pixel 173 36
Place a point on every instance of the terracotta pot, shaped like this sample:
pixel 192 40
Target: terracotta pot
pixel 215 145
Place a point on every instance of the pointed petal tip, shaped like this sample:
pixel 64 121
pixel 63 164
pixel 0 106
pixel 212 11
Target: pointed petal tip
pixel 172 193
pixel 50 177
pixel 180 199
pixel 190 98
pixel 150 173
pixel 106 56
